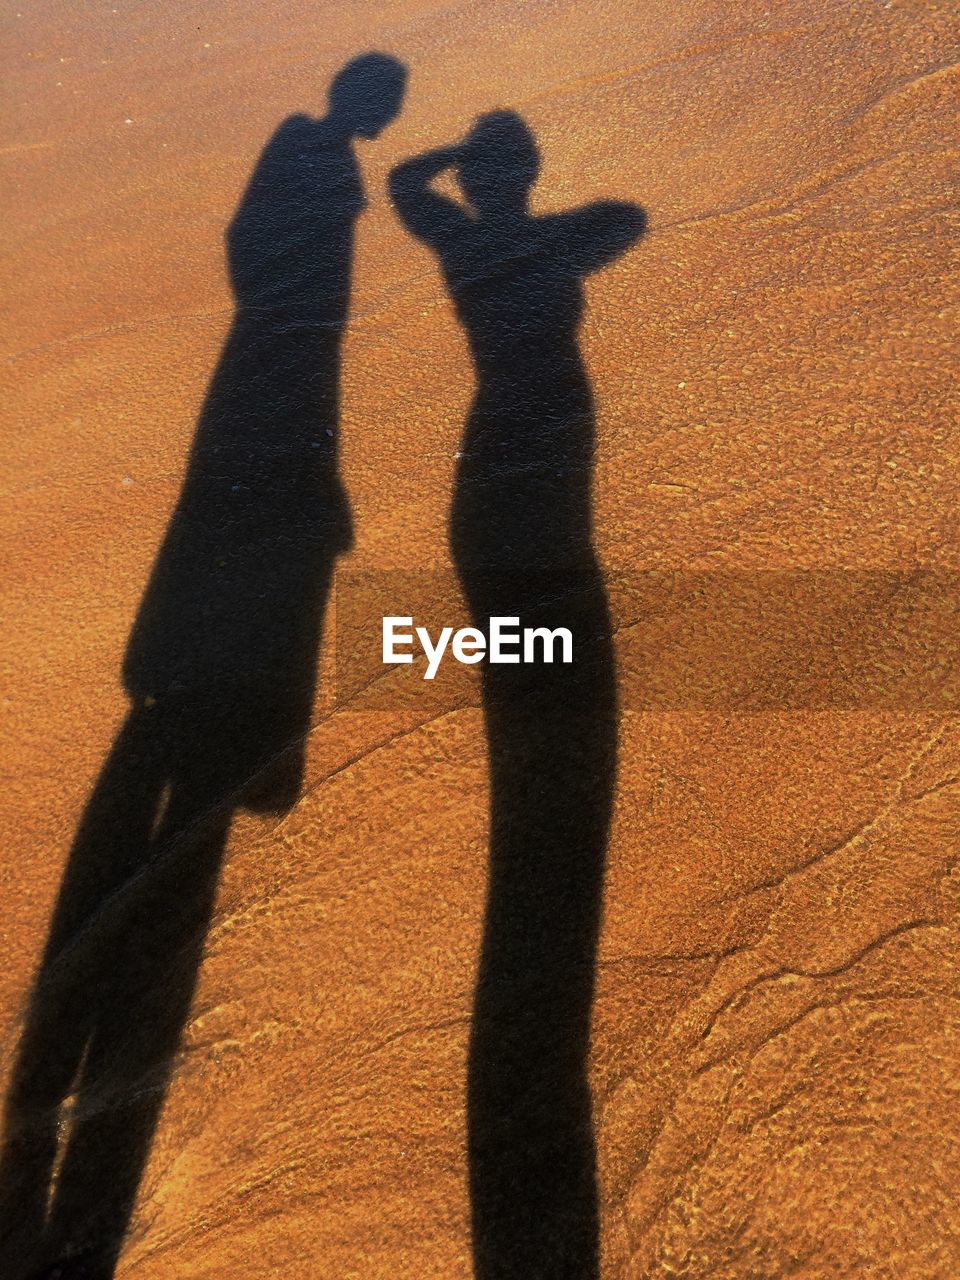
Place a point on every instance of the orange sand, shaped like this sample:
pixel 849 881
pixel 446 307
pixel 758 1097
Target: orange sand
pixel 774 1050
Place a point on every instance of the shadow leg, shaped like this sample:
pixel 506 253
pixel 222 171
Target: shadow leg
pixel 155 957
pixel 65 1001
pixel 531 1148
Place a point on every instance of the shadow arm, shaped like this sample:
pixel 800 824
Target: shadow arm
pixel 424 212
pixel 599 233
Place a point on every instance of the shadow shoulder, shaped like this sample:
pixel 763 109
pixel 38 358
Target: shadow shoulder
pixel 602 215
pixel 293 129
pixel 597 233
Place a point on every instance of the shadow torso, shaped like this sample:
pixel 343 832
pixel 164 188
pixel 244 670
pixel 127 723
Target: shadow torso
pixel 523 480
pixel 233 609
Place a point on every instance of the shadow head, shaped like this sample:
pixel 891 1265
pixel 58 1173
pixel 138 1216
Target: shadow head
pixel 366 94
pixel 499 164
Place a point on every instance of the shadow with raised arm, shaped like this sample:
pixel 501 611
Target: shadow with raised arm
pixel 522 541
pixel 220 669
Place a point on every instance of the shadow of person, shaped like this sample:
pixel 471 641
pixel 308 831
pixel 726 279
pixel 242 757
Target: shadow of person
pixel 220 668
pixel 521 538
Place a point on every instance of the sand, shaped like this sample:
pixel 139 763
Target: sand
pixel 773 1057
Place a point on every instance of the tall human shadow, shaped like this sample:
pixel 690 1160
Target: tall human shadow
pixel 521 539
pixel 220 669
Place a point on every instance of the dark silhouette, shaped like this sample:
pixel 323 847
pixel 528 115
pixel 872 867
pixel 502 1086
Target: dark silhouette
pixel 221 670
pixel 521 538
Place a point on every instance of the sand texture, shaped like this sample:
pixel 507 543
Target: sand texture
pixel 773 1066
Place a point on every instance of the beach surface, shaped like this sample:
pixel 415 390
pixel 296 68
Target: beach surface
pixel 773 1062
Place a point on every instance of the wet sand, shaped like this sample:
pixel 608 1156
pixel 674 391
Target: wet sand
pixel 773 1056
